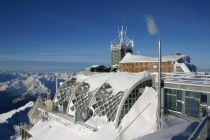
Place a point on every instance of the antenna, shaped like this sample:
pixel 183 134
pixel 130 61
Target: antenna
pixel 138 52
pixel 125 30
pixel 118 28
pixel 56 83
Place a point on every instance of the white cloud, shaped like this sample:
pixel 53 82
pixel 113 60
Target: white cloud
pixel 151 25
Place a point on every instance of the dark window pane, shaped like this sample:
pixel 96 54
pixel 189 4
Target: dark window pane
pixel 171 102
pixel 203 98
pixel 179 95
pixel 179 106
pixel 192 107
pixel 170 91
pixel 192 94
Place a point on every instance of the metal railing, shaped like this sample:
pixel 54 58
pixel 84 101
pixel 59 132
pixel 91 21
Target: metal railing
pixel 201 132
pixel 187 81
pixel 190 78
pixel 67 121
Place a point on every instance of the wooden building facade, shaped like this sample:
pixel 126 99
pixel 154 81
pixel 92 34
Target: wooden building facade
pixel 146 66
pixel 170 63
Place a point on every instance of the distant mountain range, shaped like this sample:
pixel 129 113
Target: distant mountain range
pixel 17 88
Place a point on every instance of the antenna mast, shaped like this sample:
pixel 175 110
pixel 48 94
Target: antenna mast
pixel 159 84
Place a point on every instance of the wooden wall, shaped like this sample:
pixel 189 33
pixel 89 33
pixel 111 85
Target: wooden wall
pixel 146 66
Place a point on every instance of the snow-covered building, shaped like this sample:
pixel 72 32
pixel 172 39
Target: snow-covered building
pixel 100 105
pixel 119 106
pixel 171 63
pixel 106 94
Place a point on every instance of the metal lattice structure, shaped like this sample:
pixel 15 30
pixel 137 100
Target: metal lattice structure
pixel 105 99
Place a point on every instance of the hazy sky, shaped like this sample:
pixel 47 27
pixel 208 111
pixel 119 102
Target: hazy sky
pixel 65 34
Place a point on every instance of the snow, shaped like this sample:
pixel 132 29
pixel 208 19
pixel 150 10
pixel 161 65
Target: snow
pixel 130 58
pixel 120 81
pixel 166 134
pixel 142 118
pixel 97 80
pixel 54 131
pixel 81 77
pixel 124 81
pixel 44 130
pixel 139 123
pixel 5 116
pixel 95 66
pixel 183 66
pixel 3 87
pixel 106 130
pixel 136 58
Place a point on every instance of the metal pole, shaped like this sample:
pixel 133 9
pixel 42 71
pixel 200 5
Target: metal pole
pixel 56 83
pixel 159 83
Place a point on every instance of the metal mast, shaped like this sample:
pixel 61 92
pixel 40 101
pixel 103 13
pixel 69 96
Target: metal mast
pixel 159 84
pixel 122 46
pixel 56 83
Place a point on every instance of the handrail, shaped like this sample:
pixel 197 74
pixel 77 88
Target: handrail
pixel 199 128
pixel 191 78
pixel 63 118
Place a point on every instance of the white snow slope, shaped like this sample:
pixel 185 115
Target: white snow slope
pixel 142 118
pixel 5 116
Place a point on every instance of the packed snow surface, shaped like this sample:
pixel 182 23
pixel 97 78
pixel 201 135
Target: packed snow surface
pixel 54 131
pixel 142 118
pixel 120 81
pixel 130 58
pixel 166 134
pixel 5 116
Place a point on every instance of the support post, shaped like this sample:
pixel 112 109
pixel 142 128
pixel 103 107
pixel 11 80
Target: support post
pixel 159 84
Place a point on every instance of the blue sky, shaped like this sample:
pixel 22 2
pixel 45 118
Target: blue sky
pixel 65 34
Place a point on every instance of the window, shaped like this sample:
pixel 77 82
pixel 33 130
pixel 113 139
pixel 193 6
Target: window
pixel 192 107
pixel 192 103
pixel 171 102
pixel 132 98
pixel 179 100
pixel 179 95
pixel 191 94
pixel 179 106
pixel 203 98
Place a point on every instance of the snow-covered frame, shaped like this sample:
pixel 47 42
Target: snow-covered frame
pixel 100 101
pixel 63 92
pixel 140 85
pixel 105 103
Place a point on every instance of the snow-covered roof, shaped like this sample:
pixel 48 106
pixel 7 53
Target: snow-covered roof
pixel 96 66
pixel 120 81
pixel 99 91
pixel 130 58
